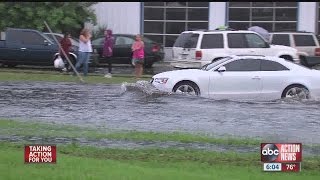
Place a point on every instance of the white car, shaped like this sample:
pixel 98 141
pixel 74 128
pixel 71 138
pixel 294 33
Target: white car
pixel 194 49
pixel 243 77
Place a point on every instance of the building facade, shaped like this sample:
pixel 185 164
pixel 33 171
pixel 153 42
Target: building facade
pixel 164 21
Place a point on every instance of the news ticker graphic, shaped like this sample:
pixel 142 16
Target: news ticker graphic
pixel 40 153
pixel 283 157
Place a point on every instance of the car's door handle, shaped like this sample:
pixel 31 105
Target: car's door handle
pixel 256 77
pixel 23 48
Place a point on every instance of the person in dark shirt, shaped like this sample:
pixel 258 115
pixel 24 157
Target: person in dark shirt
pixel 66 45
pixel 108 50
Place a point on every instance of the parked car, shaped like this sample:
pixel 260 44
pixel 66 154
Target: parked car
pixel 28 47
pixel 193 49
pixel 243 77
pixel 122 53
pixel 306 43
pixel 58 36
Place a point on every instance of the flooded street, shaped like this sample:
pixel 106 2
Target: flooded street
pixel 139 107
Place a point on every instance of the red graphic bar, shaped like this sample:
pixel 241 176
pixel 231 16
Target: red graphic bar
pixel 40 153
pixel 291 167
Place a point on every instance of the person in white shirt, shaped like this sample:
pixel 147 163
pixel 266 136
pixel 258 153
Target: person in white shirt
pixel 85 50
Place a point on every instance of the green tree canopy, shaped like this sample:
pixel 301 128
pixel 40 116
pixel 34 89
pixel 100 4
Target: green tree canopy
pixel 61 16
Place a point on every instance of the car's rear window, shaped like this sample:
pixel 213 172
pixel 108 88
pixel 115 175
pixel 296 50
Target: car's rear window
pixel 281 39
pixel 210 41
pixel 272 66
pixel 304 40
pixel 187 40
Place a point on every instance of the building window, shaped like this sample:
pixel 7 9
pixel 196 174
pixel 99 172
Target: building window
pixel 319 19
pixel 164 21
pixel 272 16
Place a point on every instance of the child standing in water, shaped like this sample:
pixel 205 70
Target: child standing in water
pixel 138 55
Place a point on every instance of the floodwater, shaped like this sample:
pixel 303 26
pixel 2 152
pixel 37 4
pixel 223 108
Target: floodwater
pixel 140 107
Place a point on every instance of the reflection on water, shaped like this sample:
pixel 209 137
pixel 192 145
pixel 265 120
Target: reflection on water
pixel 140 107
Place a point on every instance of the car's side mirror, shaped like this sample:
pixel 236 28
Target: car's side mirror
pixel 222 69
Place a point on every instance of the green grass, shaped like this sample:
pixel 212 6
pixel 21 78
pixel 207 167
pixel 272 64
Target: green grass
pixel 10 127
pixel 75 162
pixel 60 77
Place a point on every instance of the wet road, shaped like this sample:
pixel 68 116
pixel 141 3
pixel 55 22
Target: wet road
pixel 140 107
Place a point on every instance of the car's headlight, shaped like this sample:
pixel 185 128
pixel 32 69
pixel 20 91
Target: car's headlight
pixel 160 80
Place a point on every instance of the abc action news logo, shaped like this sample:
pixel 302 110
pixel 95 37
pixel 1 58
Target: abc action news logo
pixel 40 154
pixel 281 152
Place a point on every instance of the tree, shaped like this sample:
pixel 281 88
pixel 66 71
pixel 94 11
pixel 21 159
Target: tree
pixel 61 16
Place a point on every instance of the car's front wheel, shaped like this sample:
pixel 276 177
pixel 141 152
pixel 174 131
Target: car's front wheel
pixel 296 91
pixel 187 87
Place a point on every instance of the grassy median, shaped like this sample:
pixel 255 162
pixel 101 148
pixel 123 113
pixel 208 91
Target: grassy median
pixel 10 127
pixel 64 77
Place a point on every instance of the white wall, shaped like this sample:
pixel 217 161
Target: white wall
pixel 217 14
pixel 307 16
pixel 121 17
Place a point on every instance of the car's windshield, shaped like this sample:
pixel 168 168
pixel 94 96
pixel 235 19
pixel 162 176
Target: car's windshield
pixel 209 66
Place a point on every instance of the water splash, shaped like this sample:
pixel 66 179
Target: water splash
pixel 144 87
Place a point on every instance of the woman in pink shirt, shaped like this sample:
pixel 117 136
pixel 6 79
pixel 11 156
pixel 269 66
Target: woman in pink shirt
pixel 138 55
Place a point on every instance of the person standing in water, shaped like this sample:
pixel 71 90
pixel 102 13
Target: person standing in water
pixel 85 49
pixel 108 50
pixel 138 55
